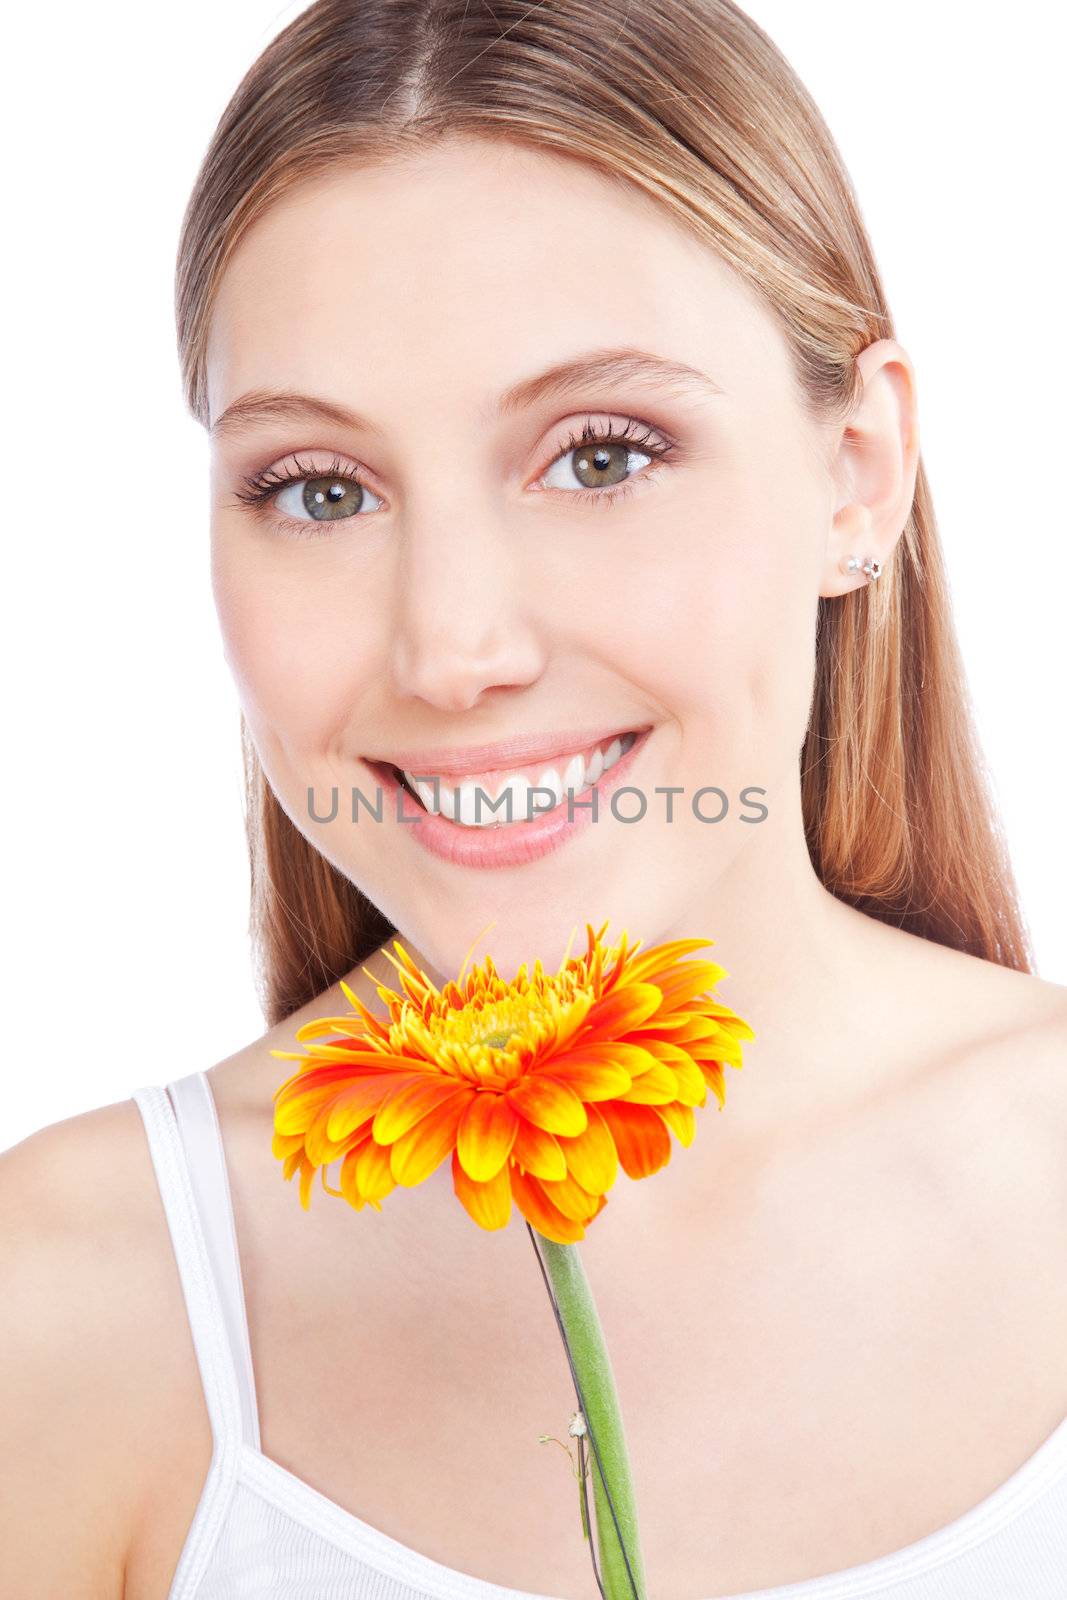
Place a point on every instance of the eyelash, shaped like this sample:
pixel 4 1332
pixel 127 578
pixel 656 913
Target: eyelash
pixel 262 487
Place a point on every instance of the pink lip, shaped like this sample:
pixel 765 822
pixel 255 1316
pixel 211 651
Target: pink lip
pixel 515 844
pixel 456 762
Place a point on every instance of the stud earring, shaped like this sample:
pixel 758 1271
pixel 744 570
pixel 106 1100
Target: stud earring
pixel 872 569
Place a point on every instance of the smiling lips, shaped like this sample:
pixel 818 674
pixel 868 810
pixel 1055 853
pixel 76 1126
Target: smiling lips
pixel 508 788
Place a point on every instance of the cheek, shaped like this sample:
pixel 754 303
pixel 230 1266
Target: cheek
pixel 299 657
pixel 715 616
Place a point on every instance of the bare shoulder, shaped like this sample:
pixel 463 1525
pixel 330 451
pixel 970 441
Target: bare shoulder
pixel 90 1291
pixel 1029 1049
pixel 73 1169
pixel 1040 1071
pixel 1008 1091
pixel 1046 1037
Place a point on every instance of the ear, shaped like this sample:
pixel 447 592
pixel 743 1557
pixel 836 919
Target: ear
pixel 874 462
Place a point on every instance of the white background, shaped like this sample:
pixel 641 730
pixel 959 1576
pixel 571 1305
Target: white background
pixel 126 865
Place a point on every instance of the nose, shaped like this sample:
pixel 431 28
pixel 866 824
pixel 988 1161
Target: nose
pixel 463 620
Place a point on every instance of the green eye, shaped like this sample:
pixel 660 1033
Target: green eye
pixel 596 466
pixel 602 461
pixel 324 499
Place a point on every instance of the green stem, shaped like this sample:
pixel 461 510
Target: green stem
pixel 599 1402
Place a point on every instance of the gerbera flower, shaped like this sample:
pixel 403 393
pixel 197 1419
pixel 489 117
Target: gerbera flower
pixel 538 1088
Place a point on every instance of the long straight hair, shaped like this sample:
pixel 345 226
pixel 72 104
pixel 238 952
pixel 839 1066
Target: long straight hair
pixel 693 104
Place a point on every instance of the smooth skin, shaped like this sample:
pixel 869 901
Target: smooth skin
pixel 836 1321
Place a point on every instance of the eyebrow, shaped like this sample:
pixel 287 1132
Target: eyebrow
pixel 603 366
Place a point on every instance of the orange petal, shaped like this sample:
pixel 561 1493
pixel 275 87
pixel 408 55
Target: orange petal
pixel 721 1048
pixel 355 1054
pixel 680 1120
pixel 539 1211
pixel 592 1076
pixel 671 970
pixel 729 1020
pixel 297 1112
pixel 714 1074
pixel 692 1085
pixel 419 1151
pixel 656 1087
pixel 548 1103
pixel 569 1197
pixel 591 1156
pixel 349 1173
pixel 630 1055
pixel 360 1101
pixel 369 1019
pixel 318 1146
pixel 374 1176
pixel 488 1203
pixel 692 1089
pixel 679 1028
pixel 642 1140
pixel 693 978
pixel 621 1009
pixel 486 1135
pixel 539 1152
pixel 342 1028
pixel 413 1101
pixel 669 1050
pixel 365 1173
pixel 661 956
pixel 311 1077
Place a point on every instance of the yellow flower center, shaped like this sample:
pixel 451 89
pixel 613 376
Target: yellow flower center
pixel 497 1041
pixel 484 1034
pixel 491 1038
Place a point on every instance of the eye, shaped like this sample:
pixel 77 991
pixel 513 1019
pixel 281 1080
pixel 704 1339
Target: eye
pixel 305 493
pixel 600 463
pixel 331 498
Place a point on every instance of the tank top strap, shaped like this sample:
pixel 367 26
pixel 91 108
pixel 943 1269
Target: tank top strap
pixel 187 1154
pixel 198 1124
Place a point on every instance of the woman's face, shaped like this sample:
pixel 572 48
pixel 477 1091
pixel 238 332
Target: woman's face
pixel 435 568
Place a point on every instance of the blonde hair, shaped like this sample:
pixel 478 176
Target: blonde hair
pixel 691 102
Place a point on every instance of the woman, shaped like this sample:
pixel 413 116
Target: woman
pixel 574 310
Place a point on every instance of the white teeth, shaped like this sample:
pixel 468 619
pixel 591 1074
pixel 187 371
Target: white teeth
pixel 447 803
pixel 467 802
pixel 457 801
pixel 574 776
pixel 550 779
pixel 612 754
pixel 520 788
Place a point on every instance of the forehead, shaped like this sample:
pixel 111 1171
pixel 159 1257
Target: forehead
pixel 479 261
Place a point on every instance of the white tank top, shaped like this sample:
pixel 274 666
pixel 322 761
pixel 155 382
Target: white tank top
pixel 261 1533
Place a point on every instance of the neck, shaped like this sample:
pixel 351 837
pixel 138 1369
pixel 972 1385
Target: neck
pixel 809 974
